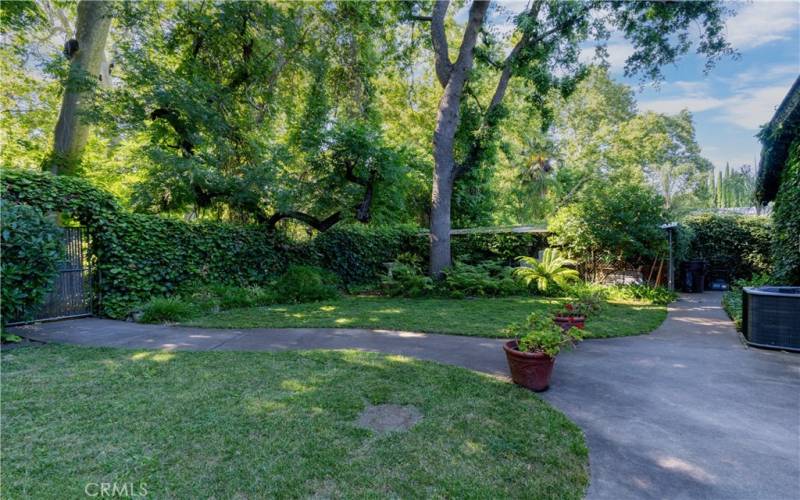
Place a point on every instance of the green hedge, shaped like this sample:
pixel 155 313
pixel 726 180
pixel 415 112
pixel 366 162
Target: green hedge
pixel 358 253
pixel 739 244
pixel 137 257
pixel 786 219
pixel 31 249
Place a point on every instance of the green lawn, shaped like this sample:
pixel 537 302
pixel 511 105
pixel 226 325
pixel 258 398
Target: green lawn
pixel 259 425
pixel 474 317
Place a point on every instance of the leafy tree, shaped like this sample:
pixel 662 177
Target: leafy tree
pixel 735 187
pixel 86 55
pixel 545 55
pixel 246 109
pixel 30 61
pixel 665 148
pixel 613 224
pixel 587 124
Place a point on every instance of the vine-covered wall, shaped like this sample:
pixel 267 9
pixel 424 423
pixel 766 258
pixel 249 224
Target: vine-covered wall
pixel 138 256
pixel 786 218
pixel 739 244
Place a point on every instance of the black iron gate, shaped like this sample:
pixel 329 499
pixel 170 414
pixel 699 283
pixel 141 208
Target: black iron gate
pixel 71 294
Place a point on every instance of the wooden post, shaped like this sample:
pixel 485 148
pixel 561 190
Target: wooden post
pixel 658 276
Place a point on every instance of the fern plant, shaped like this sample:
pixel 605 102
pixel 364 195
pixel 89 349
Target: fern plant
pixel 552 270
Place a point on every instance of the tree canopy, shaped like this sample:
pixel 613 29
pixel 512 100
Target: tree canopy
pixel 323 112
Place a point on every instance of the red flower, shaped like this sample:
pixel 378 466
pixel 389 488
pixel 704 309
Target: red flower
pixel 569 307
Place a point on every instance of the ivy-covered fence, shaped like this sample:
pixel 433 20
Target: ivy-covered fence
pixel 138 256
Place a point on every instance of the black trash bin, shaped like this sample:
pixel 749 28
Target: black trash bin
pixel 693 274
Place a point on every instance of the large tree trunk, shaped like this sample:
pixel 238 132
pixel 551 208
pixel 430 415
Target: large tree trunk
pixel 453 77
pixel 86 58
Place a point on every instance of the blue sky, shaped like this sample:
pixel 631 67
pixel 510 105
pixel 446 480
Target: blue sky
pixel 737 96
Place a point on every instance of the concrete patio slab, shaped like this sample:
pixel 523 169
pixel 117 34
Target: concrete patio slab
pixel 685 412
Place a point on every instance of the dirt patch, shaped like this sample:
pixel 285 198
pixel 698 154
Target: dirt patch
pixel 389 418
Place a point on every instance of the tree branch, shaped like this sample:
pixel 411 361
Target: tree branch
pixel 320 225
pixel 526 41
pixel 364 207
pixel 350 176
pixel 439 39
pixel 172 117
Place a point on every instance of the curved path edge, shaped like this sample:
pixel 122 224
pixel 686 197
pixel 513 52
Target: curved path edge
pixel 687 411
pixel 475 353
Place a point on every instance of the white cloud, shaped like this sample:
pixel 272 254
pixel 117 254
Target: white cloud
pixel 779 72
pixel 749 108
pixel 760 23
pixel 691 89
pixel 753 108
pixel 673 105
pixel 618 53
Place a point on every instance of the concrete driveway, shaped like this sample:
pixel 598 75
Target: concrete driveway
pixel 685 412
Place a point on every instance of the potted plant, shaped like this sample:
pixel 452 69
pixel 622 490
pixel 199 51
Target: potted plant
pixel 531 355
pixel 573 314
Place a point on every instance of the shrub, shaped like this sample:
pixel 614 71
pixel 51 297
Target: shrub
pixel 404 280
pixel 305 284
pixel 31 248
pixel 581 289
pixel 9 338
pixel 613 226
pixel 169 309
pixel 736 244
pixel 732 299
pixel 591 303
pixel 538 333
pixel 217 297
pixel 549 273
pixel 489 279
pixel 657 295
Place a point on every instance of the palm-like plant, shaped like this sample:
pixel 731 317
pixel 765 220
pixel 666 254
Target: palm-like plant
pixel 551 270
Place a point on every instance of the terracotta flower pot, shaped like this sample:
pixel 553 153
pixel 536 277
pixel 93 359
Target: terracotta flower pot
pixel 529 369
pixel 567 322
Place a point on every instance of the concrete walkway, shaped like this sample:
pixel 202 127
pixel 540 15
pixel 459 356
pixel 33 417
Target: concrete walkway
pixel 685 412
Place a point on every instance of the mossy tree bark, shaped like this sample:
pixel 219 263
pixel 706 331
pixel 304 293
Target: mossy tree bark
pixel 86 55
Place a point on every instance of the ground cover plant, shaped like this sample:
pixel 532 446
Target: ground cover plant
pixel 482 317
pixel 186 425
pixel 298 284
pixel 656 295
pixel 732 299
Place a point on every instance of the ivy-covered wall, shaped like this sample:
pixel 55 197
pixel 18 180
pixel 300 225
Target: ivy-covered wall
pixel 786 219
pixel 739 244
pixel 138 256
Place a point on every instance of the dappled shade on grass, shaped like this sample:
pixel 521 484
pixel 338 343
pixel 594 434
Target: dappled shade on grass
pixel 485 317
pixel 255 425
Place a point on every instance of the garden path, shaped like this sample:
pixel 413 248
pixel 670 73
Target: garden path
pixel 685 412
